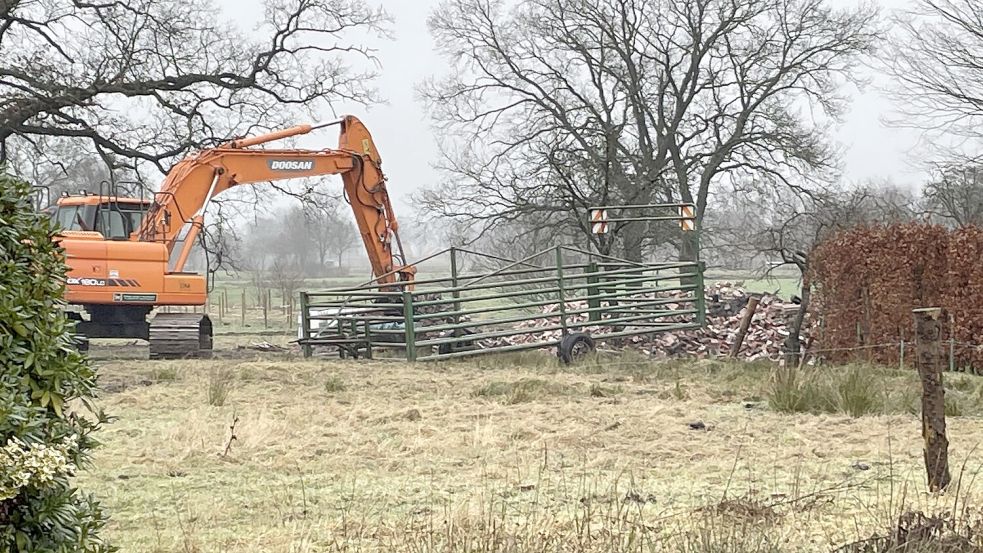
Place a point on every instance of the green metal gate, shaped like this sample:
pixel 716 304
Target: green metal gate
pixel 529 303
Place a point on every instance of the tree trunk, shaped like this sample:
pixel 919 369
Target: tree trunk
pixel 633 239
pixel 688 247
pixel 688 253
pixel 793 343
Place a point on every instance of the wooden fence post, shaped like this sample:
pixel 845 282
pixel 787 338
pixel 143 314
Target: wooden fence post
pixel 243 321
pixel 929 360
pixel 752 306
pixel 266 307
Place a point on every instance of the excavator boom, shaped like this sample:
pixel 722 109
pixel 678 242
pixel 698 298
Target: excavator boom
pixel 193 182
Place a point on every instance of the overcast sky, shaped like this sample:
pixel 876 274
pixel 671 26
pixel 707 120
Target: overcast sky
pixel 408 147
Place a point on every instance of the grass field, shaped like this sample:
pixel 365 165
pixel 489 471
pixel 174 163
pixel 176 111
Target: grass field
pixel 512 454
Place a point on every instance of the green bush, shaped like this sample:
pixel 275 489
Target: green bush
pixel 45 384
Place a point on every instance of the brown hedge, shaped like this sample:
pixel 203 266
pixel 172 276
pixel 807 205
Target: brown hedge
pixel 868 279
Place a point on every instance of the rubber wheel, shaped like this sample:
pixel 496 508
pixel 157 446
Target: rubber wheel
pixel 574 346
pixel 460 345
pixel 81 343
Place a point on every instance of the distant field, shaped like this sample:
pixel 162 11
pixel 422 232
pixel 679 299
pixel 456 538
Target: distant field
pixel 502 454
pixel 783 287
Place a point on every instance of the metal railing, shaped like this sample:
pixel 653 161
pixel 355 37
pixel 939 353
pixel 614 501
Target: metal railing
pixel 523 304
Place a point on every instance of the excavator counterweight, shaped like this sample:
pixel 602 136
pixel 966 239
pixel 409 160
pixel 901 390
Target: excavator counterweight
pixel 127 256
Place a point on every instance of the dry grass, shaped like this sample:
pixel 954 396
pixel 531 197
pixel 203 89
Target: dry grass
pixel 513 454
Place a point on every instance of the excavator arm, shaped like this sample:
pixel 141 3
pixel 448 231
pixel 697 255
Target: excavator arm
pixel 177 215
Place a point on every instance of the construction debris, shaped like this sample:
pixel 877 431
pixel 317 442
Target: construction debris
pixel 765 336
pixel 264 346
pixel 725 303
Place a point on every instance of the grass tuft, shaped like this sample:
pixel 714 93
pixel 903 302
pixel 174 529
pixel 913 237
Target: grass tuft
pixel 164 374
pixel 334 384
pixel 791 391
pixel 599 390
pixel 521 391
pixel 855 390
pixel 220 382
pixel 858 392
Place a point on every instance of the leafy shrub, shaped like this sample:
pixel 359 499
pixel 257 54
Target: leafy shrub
pixel 42 440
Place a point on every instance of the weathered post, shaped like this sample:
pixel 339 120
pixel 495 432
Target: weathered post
pixel 752 306
pixel 242 322
pixel 561 294
pixel 456 293
pixel 305 325
pixel 409 326
pixel 929 360
pixel 265 300
pixel 593 301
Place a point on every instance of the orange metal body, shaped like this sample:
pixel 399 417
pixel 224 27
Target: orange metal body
pixel 147 268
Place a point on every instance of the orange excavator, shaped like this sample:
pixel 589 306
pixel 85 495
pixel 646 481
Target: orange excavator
pixel 127 256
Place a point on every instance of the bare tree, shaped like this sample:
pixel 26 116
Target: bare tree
pixel 292 242
pixel 329 230
pixel 936 57
pixel 278 250
pixel 791 225
pixel 956 194
pixel 561 104
pixel 147 81
pixel 67 169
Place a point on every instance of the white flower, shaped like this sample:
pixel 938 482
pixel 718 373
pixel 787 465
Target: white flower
pixel 23 465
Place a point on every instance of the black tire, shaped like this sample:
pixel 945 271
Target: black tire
pixel 574 346
pixel 81 343
pixel 460 345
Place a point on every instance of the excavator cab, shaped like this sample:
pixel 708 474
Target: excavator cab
pixel 115 218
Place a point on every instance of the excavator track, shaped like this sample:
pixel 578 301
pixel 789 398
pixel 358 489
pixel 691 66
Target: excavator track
pixel 180 336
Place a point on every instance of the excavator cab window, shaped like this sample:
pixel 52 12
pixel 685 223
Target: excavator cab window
pixel 75 217
pixel 117 220
pixel 111 224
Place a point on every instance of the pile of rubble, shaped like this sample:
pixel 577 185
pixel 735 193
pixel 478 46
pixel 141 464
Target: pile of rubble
pixel 725 304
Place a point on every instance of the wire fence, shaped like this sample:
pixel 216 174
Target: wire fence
pixel 900 353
